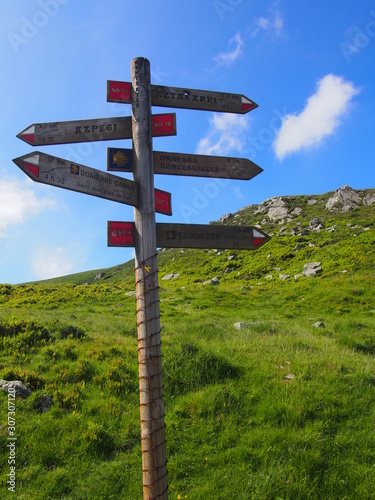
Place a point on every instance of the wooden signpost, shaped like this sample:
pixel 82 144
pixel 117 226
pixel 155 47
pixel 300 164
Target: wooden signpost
pixel 144 234
pixel 100 129
pixel 177 97
pixel 120 160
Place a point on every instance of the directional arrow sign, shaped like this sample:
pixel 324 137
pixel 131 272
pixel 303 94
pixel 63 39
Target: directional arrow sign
pixel 62 173
pixel 101 129
pixel 120 160
pixel 192 236
pixel 180 97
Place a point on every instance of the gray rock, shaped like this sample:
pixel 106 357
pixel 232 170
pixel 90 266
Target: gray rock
pixel 315 224
pixel 213 281
pixel 172 276
pixel 284 276
pixel 277 208
pixel 312 269
pixel 319 324
pixel 131 294
pixel 17 386
pixel 345 199
pixel 225 217
pixel 99 276
pixel 369 199
pixel 240 325
pixel 311 201
pixel 43 403
pixel 297 211
pixel 297 276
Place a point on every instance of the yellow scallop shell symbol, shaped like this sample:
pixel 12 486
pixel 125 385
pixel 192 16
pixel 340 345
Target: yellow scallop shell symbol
pixel 120 159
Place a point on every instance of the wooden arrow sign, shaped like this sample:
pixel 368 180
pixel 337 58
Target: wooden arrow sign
pixel 180 97
pixel 58 172
pixel 101 129
pixel 120 160
pixel 192 236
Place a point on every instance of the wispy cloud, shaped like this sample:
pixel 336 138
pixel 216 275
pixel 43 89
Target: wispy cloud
pixel 227 134
pixel 228 58
pixel 320 118
pixel 274 24
pixel 57 261
pixel 18 203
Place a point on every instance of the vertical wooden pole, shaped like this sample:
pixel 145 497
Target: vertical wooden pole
pixel 154 462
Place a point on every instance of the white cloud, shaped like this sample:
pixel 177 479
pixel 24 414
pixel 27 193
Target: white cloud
pixel 272 24
pixel 18 203
pixel 227 58
pixel 227 134
pixel 320 118
pixel 55 262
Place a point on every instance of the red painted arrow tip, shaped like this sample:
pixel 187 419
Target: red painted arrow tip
pixel 258 241
pixel 27 135
pixel 32 168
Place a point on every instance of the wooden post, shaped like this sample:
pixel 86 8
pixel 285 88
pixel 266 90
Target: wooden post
pixel 154 461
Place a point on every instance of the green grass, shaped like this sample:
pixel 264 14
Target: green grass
pixel 277 410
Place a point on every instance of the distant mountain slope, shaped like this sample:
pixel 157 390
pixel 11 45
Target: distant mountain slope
pixel 335 229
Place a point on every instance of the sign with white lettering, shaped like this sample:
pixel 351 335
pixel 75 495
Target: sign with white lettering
pixel 180 97
pixel 192 236
pixel 101 129
pixel 120 160
pixel 58 172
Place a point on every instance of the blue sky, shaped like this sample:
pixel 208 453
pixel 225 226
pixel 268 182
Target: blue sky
pixel 309 65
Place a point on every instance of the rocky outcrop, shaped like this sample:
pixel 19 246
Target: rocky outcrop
pixel 277 209
pixel 344 199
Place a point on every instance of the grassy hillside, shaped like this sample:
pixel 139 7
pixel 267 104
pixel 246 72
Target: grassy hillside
pixel 279 409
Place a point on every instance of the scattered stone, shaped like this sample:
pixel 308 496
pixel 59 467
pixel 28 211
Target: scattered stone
pixel 269 277
pixel 297 276
pixel 240 325
pixel 172 276
pixel 312 269
pixel 99 276
pixel 213 281
pixel 284 276
pixel 319 324
pixel 20 389
pixel 232 257
pixel 131 294
pixel 345 198
pixel 311 201
pixel 299 246
pixel 290 376
pixel 245 287
pixel 297 211
pixel 344 271
pixel 225 217
pixel 43 404
pixel 315 224
pixel 369 199
pixel 277 269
